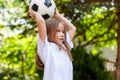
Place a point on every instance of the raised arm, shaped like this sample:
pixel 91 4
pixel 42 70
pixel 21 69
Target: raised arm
pixel 68 25
pixel 40 23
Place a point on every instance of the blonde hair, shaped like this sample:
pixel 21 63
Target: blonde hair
pixel 52 26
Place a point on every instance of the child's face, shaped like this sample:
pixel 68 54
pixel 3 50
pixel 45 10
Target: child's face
pixel 60 34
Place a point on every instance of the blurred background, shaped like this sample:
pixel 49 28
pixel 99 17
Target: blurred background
pixel 95 42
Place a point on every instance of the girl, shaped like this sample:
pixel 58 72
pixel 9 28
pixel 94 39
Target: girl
pixel 54 45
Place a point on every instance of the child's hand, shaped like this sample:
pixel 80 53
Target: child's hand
pixel 57 14
pixel 31 13
pixel 36 16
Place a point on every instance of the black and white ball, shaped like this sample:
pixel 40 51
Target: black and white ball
pixel 46 8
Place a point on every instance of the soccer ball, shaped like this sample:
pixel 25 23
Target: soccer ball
pixel 46 8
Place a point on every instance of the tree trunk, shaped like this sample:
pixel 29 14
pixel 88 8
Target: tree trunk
pixel 22 66
pixel 117 71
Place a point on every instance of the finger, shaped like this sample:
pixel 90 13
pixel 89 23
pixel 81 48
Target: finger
pixel 32 14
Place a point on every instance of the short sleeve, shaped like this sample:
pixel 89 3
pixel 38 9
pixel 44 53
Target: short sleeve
pixel 40 43
pixel 69 40
pixel 42 48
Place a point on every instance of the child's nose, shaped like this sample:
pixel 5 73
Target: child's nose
pixel 62 34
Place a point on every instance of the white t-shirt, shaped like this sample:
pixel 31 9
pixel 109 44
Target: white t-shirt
pixel 57 64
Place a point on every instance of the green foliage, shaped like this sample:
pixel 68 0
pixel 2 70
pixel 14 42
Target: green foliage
pixel 96 25
pixel 88 66
pixel 17 57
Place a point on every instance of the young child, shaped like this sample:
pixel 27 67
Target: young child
pixel 54 45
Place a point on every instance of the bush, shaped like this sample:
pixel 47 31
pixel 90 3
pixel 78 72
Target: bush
pixel 88 66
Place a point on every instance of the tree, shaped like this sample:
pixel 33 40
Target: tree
pixel 117 3
pixel 117 71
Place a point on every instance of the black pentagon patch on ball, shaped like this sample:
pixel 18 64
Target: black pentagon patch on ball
pixel 35 7
pixel 48 3
pixel 46 16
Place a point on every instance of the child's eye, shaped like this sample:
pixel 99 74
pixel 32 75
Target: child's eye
pixel 58 30
pixel 63 31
